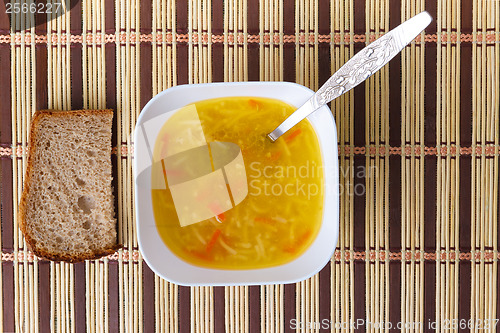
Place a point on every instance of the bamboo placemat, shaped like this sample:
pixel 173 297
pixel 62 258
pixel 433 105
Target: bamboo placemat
pixel 418 150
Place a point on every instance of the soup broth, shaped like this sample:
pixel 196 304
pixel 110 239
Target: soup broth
pixel 280 216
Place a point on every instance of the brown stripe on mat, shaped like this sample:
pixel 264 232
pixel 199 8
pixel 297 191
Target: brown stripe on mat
pixel 395 204
pixel 113 291
pixel 218 48
pixel 359 161
pixel 5 136
pixel 359 111
pixel 359 305
pixel 430 194
pixel 324 72
pixel 465 200
pixel 80 305
pixel 146 59
pixel 6 187
pixel 44 279
pixel 394 140
pixel 466 20
pixel 41 70
pixel 76 59
pixel 182 17
pixel 148 277
pixel 431 8
pixel 148 285
pixel 184 309
pixel 430 167
pixel 289 48
pixel 44 299
pixel 466 87
pixel 394 90
pixel 8 295
pixel 394 306
pixel 324 56
pixel 254 308
pixel 110 63
pixel 182 48
pixel 430 170
pixel 465 137
pixel 182 78
pixel 430 84
pixel 395 290
pixel 429 295
pixel 464 291
pixel 325 293
pixel 253 48
pixel 288 306
pixel 359 201
pixel 219 309
pixel 110 54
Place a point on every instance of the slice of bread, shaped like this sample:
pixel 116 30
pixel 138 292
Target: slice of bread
pixel 67 206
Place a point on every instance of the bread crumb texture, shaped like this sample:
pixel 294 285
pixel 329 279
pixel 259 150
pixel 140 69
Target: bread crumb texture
pixel 68 209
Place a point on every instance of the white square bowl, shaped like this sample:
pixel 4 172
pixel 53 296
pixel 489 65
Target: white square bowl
pixel 170 267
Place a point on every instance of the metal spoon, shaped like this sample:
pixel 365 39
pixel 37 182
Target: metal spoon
pixel 360 67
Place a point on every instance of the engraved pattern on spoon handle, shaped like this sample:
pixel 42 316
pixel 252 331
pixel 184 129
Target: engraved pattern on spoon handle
pixel 361 66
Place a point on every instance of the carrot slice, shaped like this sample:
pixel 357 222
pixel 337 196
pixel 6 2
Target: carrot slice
pixel 200 255
pixel 263 219
pixel 293 135
pixel 253 103
pixel 275 156
pixel 298 243
pixel 221 217
pixel 213 239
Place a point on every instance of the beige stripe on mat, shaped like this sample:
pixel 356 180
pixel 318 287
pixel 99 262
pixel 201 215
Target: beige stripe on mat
pixel 377 175
pixel 235 33
pixel 448 168
pixel 306 52
pixel 128 85
pixel 202 309
pixel 412 178
pixel 200 54
pixel 236 309
pixel 342 271
pixel 485 173
pixel 164 55
pixel 271 44
pixel 271 308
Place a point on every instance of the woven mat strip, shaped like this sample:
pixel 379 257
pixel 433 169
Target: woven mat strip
pixel 408 150
pixel 440 221
pixel 231 38
pixel 339 256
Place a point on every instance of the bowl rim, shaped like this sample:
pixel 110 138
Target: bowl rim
pixel 334 203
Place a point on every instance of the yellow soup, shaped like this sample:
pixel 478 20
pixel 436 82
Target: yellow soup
pixel 280 215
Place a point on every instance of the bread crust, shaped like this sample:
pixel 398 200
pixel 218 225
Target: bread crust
pixel 28 184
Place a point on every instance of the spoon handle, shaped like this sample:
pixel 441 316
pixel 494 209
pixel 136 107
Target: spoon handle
pixel 360 67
